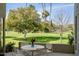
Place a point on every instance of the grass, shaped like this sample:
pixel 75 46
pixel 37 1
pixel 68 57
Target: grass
pixel 51 38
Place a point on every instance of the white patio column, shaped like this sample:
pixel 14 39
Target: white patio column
pixel 76 18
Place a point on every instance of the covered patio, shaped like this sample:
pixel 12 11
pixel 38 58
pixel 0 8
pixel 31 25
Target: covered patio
pixel 42 49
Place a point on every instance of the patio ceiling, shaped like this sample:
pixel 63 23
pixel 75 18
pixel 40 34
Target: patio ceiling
pixel 2 9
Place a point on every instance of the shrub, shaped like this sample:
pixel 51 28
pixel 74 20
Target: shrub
pixel 9 47
pixel 1 49
pixel 71 38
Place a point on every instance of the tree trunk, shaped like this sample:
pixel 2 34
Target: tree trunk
pixel 25 33
pixel 61 34
pixel 61 38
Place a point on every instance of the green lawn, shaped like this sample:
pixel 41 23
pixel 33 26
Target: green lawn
pixel 40 38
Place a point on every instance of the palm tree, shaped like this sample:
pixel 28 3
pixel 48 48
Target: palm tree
pixel 25 5
pixel 45 13
pixel 50 10
pixel 51 14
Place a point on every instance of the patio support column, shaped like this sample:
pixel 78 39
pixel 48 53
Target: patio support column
pixel 0 31
pixel 76 14
pixel 3 16
pixel 4 35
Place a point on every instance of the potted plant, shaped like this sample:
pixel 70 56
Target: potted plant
pixel 71 39
pixel 32 41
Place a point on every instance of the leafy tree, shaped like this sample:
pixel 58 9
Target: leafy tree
pixel 70 27
pixel 23 19
pixel 45 14
pixel 46 26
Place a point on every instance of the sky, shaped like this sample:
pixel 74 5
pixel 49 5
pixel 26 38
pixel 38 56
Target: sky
pixel 68 8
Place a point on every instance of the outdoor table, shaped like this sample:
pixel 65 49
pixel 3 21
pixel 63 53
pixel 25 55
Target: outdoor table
pixel 32 49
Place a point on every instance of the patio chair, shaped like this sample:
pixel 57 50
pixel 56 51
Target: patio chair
pixel 49 47
pixel 21 44
pixel 26 53
pixel 48 50
pixel 40 51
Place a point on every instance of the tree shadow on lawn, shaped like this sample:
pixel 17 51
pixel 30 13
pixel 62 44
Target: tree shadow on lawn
pixel 39 39
pixel 10 37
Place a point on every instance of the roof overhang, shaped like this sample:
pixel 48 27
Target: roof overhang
pixel 2 9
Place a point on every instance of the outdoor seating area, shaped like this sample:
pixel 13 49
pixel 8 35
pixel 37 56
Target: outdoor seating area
pixel 41 50
pixel 37 50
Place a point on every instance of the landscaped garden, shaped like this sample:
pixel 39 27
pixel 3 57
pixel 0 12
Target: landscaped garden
pixel 24 24
pixel 51 38
pixel 45 29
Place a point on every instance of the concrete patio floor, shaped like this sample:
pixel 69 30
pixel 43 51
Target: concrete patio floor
pixel 47 53
pixel 20 53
